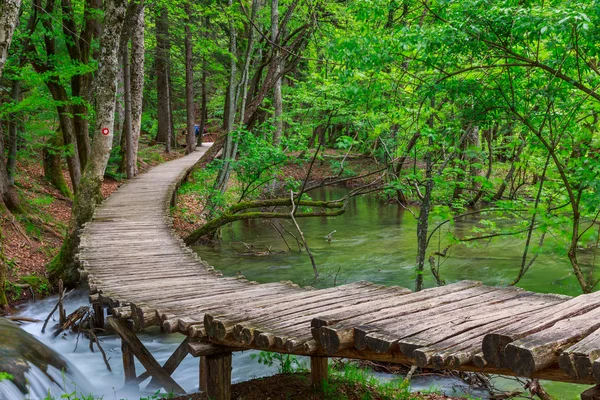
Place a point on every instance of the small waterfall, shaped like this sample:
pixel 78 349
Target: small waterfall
pixel 35 368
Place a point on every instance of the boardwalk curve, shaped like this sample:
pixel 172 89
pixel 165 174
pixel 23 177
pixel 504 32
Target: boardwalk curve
pixel 142 272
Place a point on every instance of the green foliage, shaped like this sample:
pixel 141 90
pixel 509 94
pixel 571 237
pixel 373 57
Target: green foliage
pixel 286 363
pixel 363 382
pixel 5 376
pixel 39 284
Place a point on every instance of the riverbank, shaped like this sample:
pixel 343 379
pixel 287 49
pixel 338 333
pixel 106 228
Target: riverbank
pixel 349 170
pixel 29 240
pixel 296 386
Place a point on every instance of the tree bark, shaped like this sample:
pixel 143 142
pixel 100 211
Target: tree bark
pixel 51 155
pixel 127 129
pixel 509 176
pixel 230 107
pixel 277 99
pixel 204 93
pixel 162 76
pixel 3 280
pixel 8 194
pixel 137 84
pixel 67 127
pixel 9 18
pixel 233 214
pixel 64 265
pixel 189 85
pixel 13 133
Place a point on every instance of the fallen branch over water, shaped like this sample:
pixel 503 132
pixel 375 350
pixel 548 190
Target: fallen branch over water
pixel 234 213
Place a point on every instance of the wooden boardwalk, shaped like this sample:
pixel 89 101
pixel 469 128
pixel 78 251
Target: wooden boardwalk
pixel 143 273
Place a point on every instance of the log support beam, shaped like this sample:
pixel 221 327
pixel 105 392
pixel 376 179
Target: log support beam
pixel 98 315
pixel 128 358
pixel 218 376
pixel 154 369
pixel 203 375
pixel 318 371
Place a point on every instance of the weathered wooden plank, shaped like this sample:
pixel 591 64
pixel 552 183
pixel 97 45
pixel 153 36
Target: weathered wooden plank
pixel 578 359
pixel 388 335
pixel 495 342
pixel 457 350
pixel 352 332
pixel 462 329
pixel 540 350
pixel 223 323
pixel 301 315
pixel 356 315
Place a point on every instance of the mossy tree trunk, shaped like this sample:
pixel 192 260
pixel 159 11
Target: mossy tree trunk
pixel 9 17
pixel 234 213
pixel 3 280
pixel 64 264
pixel 51 155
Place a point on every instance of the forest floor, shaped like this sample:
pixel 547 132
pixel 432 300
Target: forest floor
pixel 29 240
pixel 296 386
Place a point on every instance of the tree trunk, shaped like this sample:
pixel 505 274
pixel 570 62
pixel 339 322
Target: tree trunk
pixel 51 155
pixel 277 99
pixel 170 132
pixel 3 280
pixel 137 85
pixel 189 85
pixel 8 194
pixel 204 101
pixel 231 107
pixel 509 176
pixel 67 127
pixel 162 76
pixel 479 187
pixel 127 131
pixel 64 265
pixel 13 133
pixel 9 18
pixel 423 221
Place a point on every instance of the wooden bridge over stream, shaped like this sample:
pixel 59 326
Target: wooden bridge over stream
pixel 144 274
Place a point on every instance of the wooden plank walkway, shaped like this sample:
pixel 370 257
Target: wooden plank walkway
pixel 139 269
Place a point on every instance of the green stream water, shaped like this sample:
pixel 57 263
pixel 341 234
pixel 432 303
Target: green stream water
pixel 377 242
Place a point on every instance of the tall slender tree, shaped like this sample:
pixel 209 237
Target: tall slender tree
pixel 189 84
pixel 162 60
pixel 64 264
pixel 9 18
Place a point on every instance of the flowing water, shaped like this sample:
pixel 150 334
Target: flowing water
pixel 373 241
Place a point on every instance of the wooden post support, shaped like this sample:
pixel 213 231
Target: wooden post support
pixel 318 371
pixel 128 358
pixel 592 393
pixel 62 315
pixel 203 375
pixel 98 315
pixel 218 376
pixel 144 356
